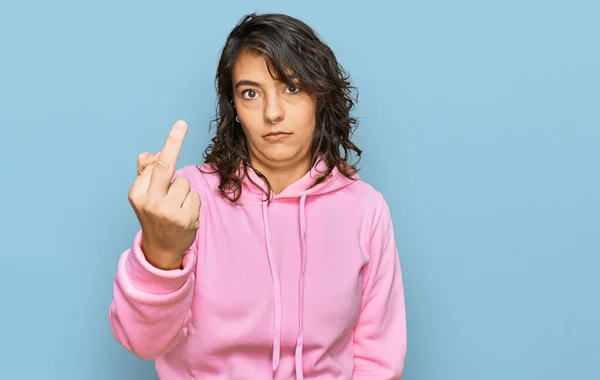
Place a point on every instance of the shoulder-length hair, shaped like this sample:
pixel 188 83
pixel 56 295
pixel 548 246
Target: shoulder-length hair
pixel 297 56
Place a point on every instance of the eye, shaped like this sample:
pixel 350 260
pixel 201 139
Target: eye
pixel 293 89
pixel 249 94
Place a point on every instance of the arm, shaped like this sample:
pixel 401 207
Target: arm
pixel 380 333
pixel 151 308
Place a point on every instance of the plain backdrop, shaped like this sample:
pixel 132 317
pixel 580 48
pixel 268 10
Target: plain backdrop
pixel 479 121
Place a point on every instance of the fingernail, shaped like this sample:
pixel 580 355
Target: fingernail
pixel 180 125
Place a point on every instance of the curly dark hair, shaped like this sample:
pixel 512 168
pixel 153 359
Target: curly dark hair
pixel 295 55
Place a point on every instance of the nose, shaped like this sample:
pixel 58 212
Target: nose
pixel 273 109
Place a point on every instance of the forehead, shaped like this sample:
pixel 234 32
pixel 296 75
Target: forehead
pixel 250 64
pixel 253 66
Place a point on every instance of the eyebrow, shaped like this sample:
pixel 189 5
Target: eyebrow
pixel 246 82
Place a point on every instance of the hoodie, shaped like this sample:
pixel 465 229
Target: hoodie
pixel 306 286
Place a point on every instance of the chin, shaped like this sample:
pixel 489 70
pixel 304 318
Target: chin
pixel 281 154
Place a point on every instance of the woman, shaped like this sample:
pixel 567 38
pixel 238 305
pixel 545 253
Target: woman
pixel 272 260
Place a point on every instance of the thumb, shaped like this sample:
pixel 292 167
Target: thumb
pixel 144 160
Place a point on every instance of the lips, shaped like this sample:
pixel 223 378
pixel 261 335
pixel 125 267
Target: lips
pixel 276 136
pixel 277 133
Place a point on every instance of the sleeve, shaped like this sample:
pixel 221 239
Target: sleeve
pixel 151 308
pixel 380 333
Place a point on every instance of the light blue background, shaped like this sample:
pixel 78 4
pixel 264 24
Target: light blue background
pixel 480 123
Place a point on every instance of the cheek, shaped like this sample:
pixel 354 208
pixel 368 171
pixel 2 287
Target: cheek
pixel 251 133
pixel 309 131
pixel 309 118
pixel 251 124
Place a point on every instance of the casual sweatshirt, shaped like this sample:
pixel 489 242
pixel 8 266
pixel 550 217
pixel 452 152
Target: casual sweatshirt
pixel 306 286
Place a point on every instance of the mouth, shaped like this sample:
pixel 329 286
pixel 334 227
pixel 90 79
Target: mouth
pixel 276 135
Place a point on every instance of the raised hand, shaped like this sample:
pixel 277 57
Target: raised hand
pixel 168 210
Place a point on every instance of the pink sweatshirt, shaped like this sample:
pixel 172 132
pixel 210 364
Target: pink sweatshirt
pixel 306 287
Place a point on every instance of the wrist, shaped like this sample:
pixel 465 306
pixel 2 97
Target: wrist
pixel 164 262
pixel 160 258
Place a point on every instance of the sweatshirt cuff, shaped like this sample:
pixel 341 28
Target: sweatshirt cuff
pixel 148 278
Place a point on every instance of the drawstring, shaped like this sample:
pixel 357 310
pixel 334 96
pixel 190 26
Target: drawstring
pixel 300 340
pixel 277 291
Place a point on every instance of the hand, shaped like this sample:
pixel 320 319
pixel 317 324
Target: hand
pixel 168 210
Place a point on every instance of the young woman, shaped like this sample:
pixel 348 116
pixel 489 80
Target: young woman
pixel 272 260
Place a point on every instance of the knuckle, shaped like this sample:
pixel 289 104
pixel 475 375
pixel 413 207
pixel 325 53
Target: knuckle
pixel 131 195
pixel 196 197
pixel 134 195
pixel 163 164
pixel 182 183
pixel 173 138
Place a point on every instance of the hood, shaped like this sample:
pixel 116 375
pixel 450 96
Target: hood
pixel 299 189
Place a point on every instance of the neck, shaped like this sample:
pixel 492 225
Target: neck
pixel 281 175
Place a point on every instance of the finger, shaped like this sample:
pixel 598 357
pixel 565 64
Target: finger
pixel 164 168
pixel 178 190
pixel 138 190
pixel 144 160
pixel 143 179
pixel 192 204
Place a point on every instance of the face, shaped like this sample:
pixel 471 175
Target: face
pixel 278 120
